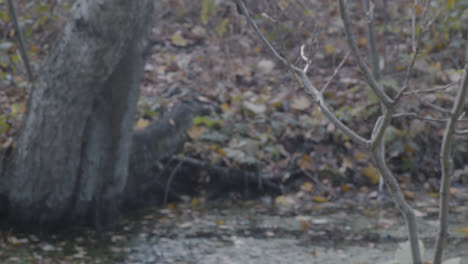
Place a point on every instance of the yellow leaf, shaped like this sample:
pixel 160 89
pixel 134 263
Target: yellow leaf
pixel 195 202
pixel 451 4
pixel 371 174
pixel 329 49
pixel 142 123
pixel 278 104
pixel 171 206
pixel 221 152
pixel 346 187
pixel 284 3
pixel 399 68
pixel 196 132
pixel 178 40
pixel 307 187
pixel 284 200
pixel 464 231
pixel 362 42
pixel 359 156
pixel 225 107
pixel 319 199
pixel 220 222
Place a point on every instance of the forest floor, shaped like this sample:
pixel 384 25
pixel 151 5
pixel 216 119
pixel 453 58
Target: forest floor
pixel 263 121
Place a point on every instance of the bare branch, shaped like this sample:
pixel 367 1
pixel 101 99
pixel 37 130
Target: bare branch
pixel 446 162
pixel 387 101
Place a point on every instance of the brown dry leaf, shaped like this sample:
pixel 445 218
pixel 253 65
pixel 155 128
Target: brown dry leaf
pixel 409 195
pixel 304 225
pixel 300 103
pixel 172 206
pixel 306 163
pixel 371 173
pixel 345 187
pixel 225 107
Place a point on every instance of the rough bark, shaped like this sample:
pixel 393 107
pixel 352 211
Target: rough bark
pixel 71 158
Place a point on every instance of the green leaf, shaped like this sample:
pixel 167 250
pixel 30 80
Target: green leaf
pixel 203 120
pixel 206 11
pixel 221 29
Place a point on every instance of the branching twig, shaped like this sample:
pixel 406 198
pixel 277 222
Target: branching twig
pixel 306 82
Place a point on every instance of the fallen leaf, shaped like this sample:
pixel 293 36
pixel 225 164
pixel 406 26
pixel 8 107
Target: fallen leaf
pixel 319 199
pixel 371 173
pixel 178 40
pixel 265 66
pixel 255 108
pixel 300 103
pixel 329 49
pixel 196 132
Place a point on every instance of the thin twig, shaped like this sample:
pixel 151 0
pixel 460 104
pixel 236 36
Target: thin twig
pixel 416 46
pixel 414 115
pixel 435 107
pixel 376 88
pixel 169 181
pixel 19 33
pixel 335 73
pixel 432 90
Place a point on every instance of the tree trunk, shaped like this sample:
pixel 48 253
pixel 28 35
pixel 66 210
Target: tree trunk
pixel 70 162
